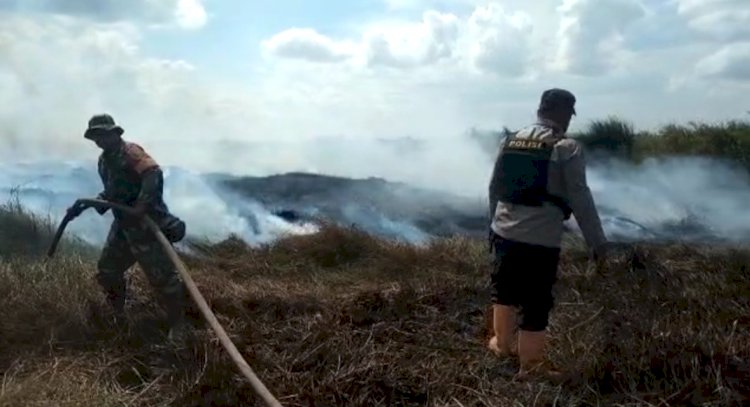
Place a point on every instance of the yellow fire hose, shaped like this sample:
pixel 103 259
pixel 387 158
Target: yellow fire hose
pixel 244 367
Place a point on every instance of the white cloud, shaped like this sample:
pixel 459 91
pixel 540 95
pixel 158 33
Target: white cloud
pixel 393 44
pixel 404 4
pixel 490 39
pixel 187 14
pixel 731 62
pixel 496 57
pixel 308 44
pixel 421 5
pixel 591 33
pixel 191 14
pixel 500 42
pixel 406 44
pixel 718 19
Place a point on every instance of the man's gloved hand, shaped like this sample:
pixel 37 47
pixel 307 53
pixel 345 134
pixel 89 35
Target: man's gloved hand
pixel 77 209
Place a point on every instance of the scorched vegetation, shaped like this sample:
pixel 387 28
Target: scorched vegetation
pixel 342 318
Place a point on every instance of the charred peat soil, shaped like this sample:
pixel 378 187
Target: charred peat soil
pixel 343 318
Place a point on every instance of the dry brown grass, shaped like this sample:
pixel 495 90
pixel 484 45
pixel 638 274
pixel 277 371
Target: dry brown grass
pixel 342 318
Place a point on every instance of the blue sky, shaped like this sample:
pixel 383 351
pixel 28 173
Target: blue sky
pixel 259 87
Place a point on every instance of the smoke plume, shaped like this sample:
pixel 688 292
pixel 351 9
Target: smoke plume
pixel 47 189
pixel 194 127
pixel 691 198
pixel 679 198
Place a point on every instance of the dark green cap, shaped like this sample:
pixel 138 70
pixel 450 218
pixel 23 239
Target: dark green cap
pixel 102 123
pixel 557 98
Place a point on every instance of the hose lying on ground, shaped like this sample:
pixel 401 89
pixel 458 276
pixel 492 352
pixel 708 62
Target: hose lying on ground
pixel 244 367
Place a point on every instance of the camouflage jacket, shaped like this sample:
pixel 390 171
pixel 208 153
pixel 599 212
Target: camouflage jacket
pixel 130 176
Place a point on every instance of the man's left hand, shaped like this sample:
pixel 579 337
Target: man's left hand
pixel 76 209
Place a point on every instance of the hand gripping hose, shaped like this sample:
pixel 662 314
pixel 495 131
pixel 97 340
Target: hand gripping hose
pixel 244 367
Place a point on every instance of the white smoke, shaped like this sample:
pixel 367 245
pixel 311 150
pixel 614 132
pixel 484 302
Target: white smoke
pixel 674 197
pixel 213 213
pixel 47 189
pixel 688 198
pixel 376 222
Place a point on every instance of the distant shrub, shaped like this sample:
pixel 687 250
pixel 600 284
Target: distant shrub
pixel 614 137
pixel 611 136
pixel 730 140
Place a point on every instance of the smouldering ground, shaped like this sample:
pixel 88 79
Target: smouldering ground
pixel 344 319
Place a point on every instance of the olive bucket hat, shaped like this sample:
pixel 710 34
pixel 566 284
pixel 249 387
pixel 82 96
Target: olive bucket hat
pixel 100 124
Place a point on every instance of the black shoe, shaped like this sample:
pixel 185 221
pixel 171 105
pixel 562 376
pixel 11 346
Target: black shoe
pixel 178 326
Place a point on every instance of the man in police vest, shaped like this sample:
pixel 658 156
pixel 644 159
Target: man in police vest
pixel 131 177
pixel 538 180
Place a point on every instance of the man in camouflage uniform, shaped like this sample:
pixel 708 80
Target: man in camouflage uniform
pixel 538 181
pixel 131 177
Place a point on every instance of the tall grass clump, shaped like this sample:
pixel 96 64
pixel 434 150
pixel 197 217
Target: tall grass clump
pixel 22 233
pixel 26 234
pixel 730 140
pixel 612 136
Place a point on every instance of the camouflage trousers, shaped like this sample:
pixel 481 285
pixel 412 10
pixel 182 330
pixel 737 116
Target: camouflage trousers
pixel 136 243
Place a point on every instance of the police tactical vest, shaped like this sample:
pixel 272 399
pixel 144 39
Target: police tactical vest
pixel 524 172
